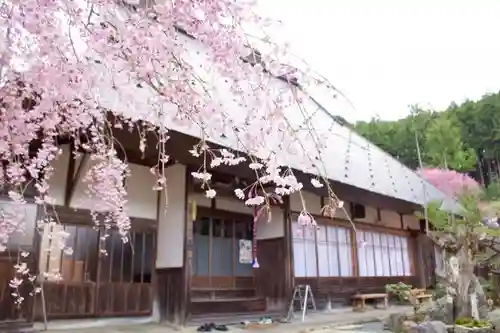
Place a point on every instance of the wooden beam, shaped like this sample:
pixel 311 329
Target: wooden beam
pixel 70 175
pixel 184 307
pixel 287 226
pixel 354 251
pixel 170 163
pixel 73 177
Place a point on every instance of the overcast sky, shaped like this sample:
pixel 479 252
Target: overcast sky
pixel 387 54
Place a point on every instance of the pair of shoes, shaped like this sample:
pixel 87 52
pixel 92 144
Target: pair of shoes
pixel 220 328
pixel 205 328
pixel 209 327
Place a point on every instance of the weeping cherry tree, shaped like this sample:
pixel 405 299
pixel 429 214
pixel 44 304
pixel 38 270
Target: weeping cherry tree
pixel 65 65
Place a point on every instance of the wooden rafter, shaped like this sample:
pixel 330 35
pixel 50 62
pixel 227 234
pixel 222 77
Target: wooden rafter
pixel 73 177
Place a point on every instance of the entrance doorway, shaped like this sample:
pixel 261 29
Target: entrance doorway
pixel 217 239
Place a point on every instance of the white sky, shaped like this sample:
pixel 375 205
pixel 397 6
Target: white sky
pixel 387 54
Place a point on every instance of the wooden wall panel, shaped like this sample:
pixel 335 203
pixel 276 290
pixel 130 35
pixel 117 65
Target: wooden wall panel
pixel 171 295
pixel 9 312
pixel 425 251
pixel 340 290
pixel 270 277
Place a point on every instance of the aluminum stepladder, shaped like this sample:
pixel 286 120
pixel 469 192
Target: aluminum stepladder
pixel 304 295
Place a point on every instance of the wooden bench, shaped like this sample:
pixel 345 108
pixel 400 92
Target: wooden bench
pixel 417 291
pixel 359 300
pixel 420 295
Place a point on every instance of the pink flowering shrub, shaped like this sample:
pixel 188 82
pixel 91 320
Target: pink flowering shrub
pixel 450 182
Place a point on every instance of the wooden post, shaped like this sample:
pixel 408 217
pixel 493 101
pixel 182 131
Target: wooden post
pixel 289 269
pixel 354 252
pixel 188 250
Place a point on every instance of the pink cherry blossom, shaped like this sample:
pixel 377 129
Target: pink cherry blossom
pixel 450 182
pixel 66 65
pixel 306 219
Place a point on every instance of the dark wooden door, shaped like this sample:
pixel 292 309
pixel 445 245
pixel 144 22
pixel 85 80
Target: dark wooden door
pixel 100 276
pixel 125 274
pixel 70 281
pixel 9 310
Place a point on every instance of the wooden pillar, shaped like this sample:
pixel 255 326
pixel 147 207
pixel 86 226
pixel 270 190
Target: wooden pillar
pixel 287 225
pixel 425 265
pixel 354 252
pixel 188 248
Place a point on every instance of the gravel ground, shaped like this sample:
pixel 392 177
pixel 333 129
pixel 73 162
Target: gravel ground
pixel 375 327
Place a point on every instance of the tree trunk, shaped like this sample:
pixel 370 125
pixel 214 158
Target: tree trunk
pixel 464 273
pixel 469 292
pixel 461 282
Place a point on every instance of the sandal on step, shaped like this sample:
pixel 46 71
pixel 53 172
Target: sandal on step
pixel 220 328
pixel 205 328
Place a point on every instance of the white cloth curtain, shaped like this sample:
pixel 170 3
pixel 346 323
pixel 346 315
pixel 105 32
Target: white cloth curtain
pixel 377 246
pixel 299 251
pixel 370 253
pixel 330 245
pixel 333 251
pixel 310 253
pixel 304 251
pixel 362 254
pixel 344 251
pixel 393 255
pixel 399 258
pixel 406 256
pixel 386 260
pixel 323 255
pixel 383 254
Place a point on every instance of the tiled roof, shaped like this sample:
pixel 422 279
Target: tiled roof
pixel 348 157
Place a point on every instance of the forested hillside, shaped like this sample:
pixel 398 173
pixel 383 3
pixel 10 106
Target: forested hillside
pixel 455 138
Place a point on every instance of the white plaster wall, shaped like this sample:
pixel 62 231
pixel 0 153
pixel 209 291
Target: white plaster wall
pixel 344 213
pixel 200 200
pixel 312 202
pixel 370 215
pixel 232 205
pixel 390 219
pixel 313 205
pixel 172 219
pixel 274 228
pixel 265 230
pixel 142 199
pixel 80 199
pixel 57 181
pixel 411 222
pixel 23 237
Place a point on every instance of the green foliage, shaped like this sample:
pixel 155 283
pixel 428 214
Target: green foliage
pixel 439 290
pixel 492 192
pixel 444 147
pixel 449 138
pixel 400 290
pixel 464 230
pixel 472 323
pixel 439 219
pixel 469 220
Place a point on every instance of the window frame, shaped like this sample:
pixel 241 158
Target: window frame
pixel 403 268
pixel 396 246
